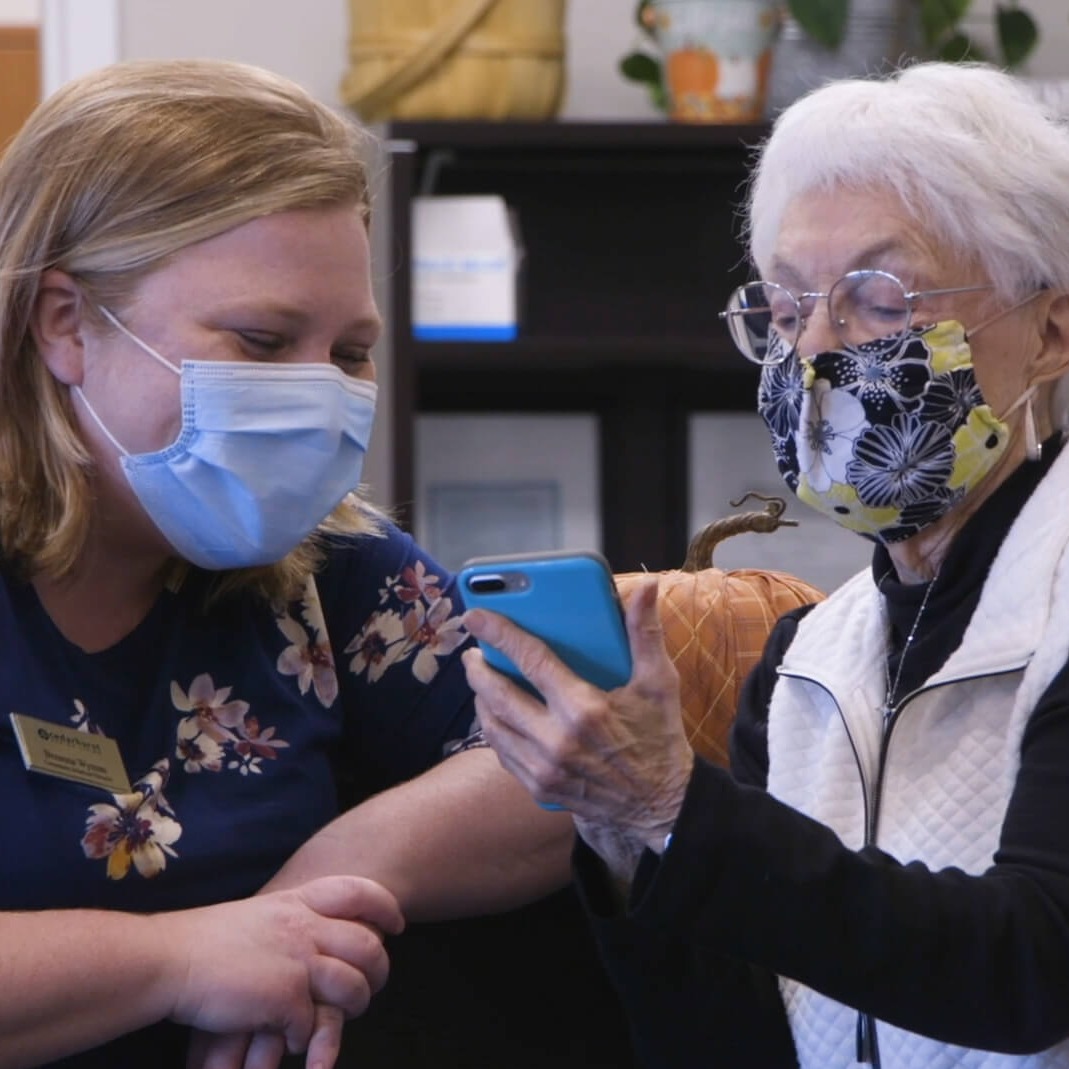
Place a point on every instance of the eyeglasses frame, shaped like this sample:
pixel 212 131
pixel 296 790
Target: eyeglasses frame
pixel 909 295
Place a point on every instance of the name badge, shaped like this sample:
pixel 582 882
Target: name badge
pixel 72 755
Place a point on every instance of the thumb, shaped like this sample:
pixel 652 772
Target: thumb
pixel 644 630
pixel 353 898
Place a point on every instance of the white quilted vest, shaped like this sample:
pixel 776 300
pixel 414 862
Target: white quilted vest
pixel 953 753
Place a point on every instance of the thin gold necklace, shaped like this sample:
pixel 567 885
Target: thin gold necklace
pixel 892 686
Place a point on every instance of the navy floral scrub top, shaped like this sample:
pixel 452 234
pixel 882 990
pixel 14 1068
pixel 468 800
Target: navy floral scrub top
pixel 235 725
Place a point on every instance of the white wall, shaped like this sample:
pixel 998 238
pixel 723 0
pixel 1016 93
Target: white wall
pixel 19 12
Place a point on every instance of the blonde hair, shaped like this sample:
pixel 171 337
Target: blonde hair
pixel 109 177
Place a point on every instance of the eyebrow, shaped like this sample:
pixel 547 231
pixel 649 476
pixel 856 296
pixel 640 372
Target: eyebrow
pixel 294 316
pixel 867 257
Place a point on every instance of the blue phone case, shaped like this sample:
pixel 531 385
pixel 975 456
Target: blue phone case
pixel 567 598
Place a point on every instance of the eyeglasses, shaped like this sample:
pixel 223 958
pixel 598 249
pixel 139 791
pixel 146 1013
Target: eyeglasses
pixel 766 320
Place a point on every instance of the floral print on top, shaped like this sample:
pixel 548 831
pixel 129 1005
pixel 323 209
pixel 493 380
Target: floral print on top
pixel 309 656
pixel 219 732
pixel 137 828
pixel 234 724
pixel 418 624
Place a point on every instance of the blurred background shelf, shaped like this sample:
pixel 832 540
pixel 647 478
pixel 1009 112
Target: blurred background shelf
pixel 630 234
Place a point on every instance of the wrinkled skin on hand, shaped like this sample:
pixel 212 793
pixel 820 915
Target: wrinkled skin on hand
pixel 619 761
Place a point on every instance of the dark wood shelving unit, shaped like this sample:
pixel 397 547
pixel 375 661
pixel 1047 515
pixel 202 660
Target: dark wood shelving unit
pixel 631 245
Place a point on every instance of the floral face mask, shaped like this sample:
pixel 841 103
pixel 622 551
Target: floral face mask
pixel 884 437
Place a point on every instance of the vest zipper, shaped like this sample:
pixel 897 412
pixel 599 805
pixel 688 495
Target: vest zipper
pixel 867 1050
pixel 867 1044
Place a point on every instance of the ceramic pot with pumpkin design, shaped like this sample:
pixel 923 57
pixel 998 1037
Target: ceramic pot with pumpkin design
pixel 717 56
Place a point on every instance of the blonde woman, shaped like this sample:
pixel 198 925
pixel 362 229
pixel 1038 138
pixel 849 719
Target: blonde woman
pixel 208 634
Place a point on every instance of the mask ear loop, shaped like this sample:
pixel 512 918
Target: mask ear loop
pixel 972 331
pixel 77 391
pixel 1033 447
pixel 144 346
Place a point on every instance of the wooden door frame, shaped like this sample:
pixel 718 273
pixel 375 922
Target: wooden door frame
pixel 20 76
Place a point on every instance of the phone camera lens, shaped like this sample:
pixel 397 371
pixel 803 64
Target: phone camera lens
pixel 486 584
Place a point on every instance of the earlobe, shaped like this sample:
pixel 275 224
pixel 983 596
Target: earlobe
pixel 1052 361
pixel 57 326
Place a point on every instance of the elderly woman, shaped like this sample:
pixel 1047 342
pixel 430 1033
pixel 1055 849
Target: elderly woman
pixel 883 876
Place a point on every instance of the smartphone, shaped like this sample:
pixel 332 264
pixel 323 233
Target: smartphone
pixel 567 598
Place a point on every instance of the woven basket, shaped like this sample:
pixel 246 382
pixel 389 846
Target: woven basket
pixel 715 626
pixel 455 59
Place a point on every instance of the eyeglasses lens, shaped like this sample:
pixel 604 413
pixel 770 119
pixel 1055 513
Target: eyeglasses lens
pixel 865 305
pixel 766 320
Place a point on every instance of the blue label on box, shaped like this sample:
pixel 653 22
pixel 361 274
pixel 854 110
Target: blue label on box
pixel 462 333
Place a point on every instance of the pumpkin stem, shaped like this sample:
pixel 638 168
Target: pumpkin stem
pixel 768 519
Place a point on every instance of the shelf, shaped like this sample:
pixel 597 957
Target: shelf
pixel 550 388
pixel 632 245
pixel 636 137
pixel 567 352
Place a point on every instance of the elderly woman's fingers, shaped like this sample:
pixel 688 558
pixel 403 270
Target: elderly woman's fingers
pixel 516 724
pixel 619 757
pixel 535 660
pixel 653 670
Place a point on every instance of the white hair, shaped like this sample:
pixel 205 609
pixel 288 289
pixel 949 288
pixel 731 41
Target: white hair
pixel 971 151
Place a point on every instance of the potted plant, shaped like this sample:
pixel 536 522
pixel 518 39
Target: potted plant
pixel 939 22
pixel 933 29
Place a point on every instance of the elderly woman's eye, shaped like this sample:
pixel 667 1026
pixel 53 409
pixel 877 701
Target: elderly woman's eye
pixel 891 313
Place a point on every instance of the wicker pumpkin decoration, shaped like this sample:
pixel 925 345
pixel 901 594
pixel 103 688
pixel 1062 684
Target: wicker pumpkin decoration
pixel 716 623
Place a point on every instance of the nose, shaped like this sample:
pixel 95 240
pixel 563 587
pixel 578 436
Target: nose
pixel 818 333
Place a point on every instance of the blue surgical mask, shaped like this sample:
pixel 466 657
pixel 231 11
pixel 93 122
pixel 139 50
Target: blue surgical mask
pixel 265 453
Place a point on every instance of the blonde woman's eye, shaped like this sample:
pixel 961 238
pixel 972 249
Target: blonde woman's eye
pixel 351 361
pixel 261 342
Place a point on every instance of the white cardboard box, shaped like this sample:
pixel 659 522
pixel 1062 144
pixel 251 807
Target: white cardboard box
pixel 465 262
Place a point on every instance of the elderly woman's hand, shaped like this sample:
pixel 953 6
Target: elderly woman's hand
pixel 618 760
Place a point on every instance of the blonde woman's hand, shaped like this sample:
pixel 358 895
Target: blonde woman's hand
pixel 265 1050
pixel 288 966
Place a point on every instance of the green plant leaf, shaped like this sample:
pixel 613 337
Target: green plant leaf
pixel 823 20
pixel 1017 34
pixel 641 67
pixel 959 47
pixel 940 17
